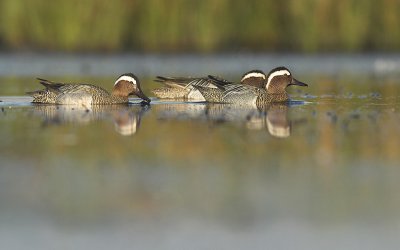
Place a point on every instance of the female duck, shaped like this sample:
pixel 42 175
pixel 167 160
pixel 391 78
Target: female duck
pixel 88 94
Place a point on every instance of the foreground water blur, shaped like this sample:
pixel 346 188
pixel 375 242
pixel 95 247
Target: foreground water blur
pixel 319 173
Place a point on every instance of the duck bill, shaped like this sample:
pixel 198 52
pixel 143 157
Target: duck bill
pixel 143 96
pixel 139 93
pixel 298 83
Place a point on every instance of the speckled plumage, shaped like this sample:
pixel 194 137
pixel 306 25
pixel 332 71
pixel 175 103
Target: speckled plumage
pixel 273 90
pixel 75 94
pixel 186 87
pixel 87 94
pixel 171 93
pixel 181 87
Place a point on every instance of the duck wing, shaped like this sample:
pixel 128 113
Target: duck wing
pixel 230 88
pixel 176 82
pixel 71 88
pixel 219 82
pixel 188 82
pixel 238 89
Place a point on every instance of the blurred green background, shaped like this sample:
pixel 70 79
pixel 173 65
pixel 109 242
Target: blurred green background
pixel 200 26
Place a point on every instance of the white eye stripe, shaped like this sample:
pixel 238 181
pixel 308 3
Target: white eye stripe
pixel 254 74
pixel 277 73
pixel 125 78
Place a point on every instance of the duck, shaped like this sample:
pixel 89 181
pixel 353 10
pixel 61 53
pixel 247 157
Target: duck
pixel 183 87
pixel 87 94
pixel 273 89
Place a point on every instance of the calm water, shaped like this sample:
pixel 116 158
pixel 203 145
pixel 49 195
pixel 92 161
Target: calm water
pixel 320 173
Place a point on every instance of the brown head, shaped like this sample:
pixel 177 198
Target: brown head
pixel 280 78
pixel 128 84
pixel 255 78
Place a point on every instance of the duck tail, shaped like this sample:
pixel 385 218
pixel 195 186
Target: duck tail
pixel 164 79
pixel 39 96
pixel 35 93
pixel 173 82
pixel 49 84
pixel 161 79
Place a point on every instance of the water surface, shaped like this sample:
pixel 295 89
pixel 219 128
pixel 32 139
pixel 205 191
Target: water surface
pixel 319 173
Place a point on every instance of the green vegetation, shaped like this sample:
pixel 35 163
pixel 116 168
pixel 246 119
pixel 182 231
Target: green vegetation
pixel 203 26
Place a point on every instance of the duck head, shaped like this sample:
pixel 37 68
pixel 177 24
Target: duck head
pixel 254 78
pixel 128 84
pixel 280 78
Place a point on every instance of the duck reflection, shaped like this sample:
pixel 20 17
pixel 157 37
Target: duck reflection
pixel 126 118
pixel 272 117
pixel 181 111
pixel 277 121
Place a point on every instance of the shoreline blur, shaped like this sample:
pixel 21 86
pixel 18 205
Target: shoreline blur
pixel 223 64
pixel 207 26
